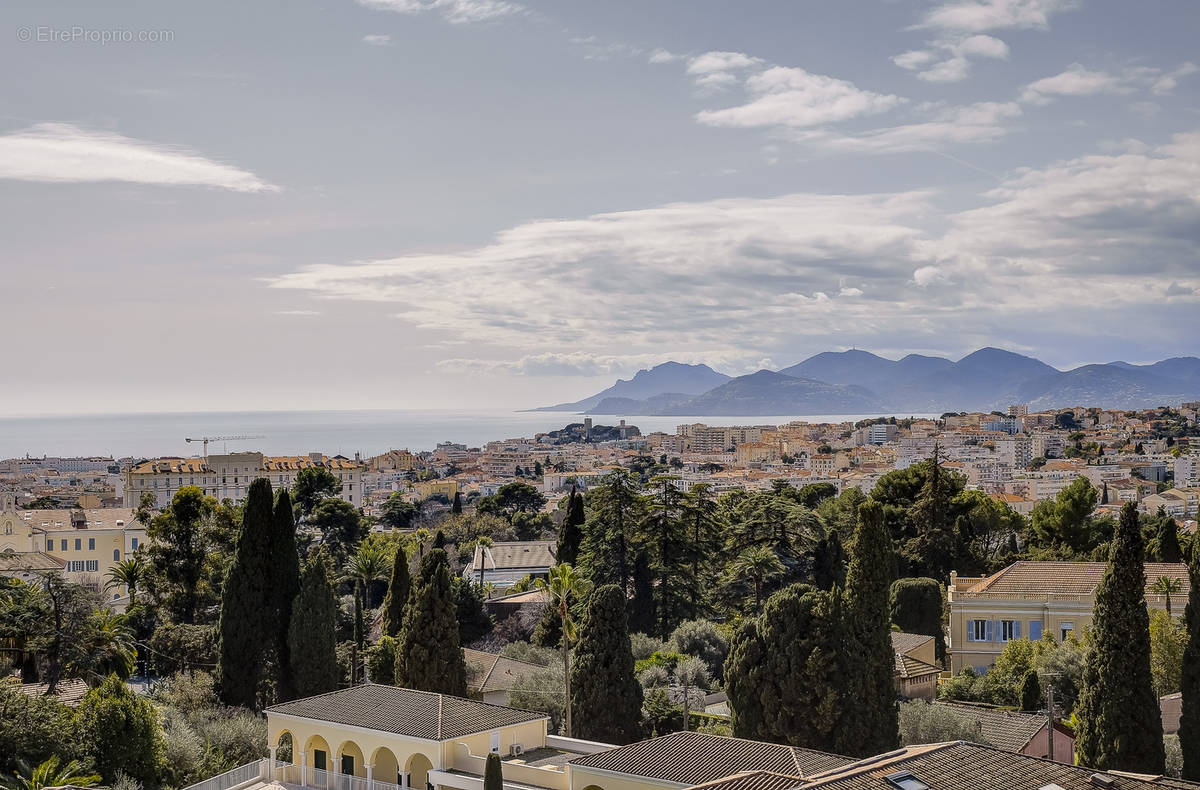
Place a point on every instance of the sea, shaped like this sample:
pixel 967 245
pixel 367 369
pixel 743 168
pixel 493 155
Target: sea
pixel 369 432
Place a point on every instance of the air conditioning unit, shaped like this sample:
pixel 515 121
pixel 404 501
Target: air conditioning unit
pixel 515 750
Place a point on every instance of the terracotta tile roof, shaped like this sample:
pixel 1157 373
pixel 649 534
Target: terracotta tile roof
pixel 1004 729
pixel 752 780
pixel 694 758
pixel 415 714
pixel 494 672
pixel 89 518
pixel 969 766
pixel 906 643
pixel 68 692
pixel 28 562
pixel 1068 578
pixel 516 554
pixel 909 667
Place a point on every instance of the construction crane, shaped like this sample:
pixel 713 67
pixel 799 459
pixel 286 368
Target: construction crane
pixel 204 440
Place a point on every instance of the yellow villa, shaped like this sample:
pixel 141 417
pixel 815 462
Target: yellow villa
pixel 1029 599
pixel 375 737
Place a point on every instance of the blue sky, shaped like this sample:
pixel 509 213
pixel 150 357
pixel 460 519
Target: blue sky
pixel 460 203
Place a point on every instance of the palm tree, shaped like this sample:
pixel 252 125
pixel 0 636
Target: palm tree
pixel 108 648
pixel 128 574
pixel 564 585
pixel 1166 587
pixel 370 563
pixel 48 774
pixel 760 564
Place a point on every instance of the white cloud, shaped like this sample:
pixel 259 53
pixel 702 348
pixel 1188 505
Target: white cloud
pixel 586 363
pixel 945 125
pixel 663 56
pixel 793 97
pixel 949 59
pixel 63 153
pixel 298 312
pixel 1077 80
pixel 719 276
pixel 977 16
pixel 711 62
pixel 377 40
pixel 453 11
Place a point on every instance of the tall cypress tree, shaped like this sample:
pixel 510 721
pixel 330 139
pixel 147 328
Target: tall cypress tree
pixel 570 535
pixel 829 561
pixel 493 773
pixel 247 614
pixel 429 657
pixel 783 675
pixel 869 724
pixel 397 594
pixel 284 587
pixel 456 505
pixel 1120 727
pixel 606 697
pixel 1189 721
pixel 312 634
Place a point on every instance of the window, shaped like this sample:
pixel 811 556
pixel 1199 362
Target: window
pixel 135 544
pixel 904 780
pixel 977 631
pixel 116 555
pixel 64 544
pixel 1010 630
pixel 1035 630
pixel 78 544
pixel 93 566
pixel 1064 630
pixel 91 544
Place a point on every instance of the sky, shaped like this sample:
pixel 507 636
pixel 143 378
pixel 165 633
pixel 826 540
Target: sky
pixel 507 203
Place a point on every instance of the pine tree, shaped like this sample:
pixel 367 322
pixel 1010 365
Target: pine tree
pixel 869 724
pixel 916 606
pixel 429 657
pixel 397 594
pixel 1167 541
pixel 1120 727
pixel 606 556
pixel 439 540
pixel 570 535
pixel 782 674
pixel 701 515
pixel 605 694
pixel 1031 691
pixel 312 635
pixel 931 552
pixel 666 539
pixel 120 731
pixel 284 587
pixel 456 505
pixel 247 613
pixel 493 773
pixel 359 635
pixel 1189 721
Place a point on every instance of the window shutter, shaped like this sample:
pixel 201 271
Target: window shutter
pixel 1016 629
pixel 970 630
pixel 990 631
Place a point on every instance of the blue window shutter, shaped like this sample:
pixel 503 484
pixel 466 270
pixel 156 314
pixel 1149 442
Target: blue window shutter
pixel 970 630
pixel 990 631
pixel 1016 629
pixel 1035 630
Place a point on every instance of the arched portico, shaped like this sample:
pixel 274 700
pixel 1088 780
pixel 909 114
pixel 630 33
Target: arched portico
pixel 385 767
pixel 350 760
pixel 417 769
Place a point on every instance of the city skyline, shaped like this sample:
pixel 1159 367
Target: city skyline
pixel 385 204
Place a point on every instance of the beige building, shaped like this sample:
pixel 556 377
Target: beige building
pixel 917 670
pixel 83 543
pixel 1029 599
pixel 229 476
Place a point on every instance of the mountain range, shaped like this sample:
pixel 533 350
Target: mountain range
pixel 859 382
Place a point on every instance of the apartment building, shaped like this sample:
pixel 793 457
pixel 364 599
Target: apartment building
pixel 83 543
pixel 229 476
pixel 1176 502
pixel 1187 471
pixel 1016 451
pixel 1029 599
pixel 1044 444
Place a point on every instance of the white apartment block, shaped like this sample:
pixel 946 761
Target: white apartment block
pixel 229 476
pixel 1016 451
pixel 1047 445
pixel 1187 471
